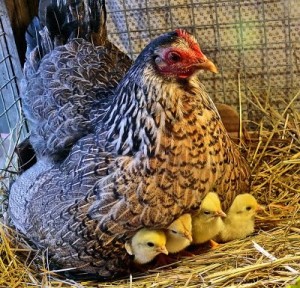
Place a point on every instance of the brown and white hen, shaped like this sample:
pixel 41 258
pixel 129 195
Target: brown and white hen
pixel 152 156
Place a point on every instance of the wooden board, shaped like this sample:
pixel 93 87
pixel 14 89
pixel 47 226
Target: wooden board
pixel 20 13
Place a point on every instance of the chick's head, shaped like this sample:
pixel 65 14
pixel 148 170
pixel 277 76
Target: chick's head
pixel 244 206
pixel 146 244
pixel 210 209
pixel 181 227
pixel 179 233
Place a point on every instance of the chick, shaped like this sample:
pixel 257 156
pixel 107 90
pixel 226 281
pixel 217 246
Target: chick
pixel 239 222
pixel 179 234
pixel 146 244
pixel 207 222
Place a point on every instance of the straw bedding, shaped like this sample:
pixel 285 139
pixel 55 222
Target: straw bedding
pixel 274 153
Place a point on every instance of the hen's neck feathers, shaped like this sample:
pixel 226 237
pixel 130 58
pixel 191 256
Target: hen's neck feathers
pixel 145 103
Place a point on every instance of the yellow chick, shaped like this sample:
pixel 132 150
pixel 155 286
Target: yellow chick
pixel 179 234
pixel 207 222
pixel 146 244
pixel 239 222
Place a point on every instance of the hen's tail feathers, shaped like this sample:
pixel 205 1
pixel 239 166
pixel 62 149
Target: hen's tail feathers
pixel 39 44
pixel 60 21
pixel 69 19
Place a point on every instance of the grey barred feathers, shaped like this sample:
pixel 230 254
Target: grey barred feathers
pixel 66 76
pixel 145 152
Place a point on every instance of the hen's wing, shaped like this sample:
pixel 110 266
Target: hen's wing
pixel 66 77
pixel 63 196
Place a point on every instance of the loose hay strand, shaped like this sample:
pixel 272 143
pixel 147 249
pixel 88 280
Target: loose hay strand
pixel 271 257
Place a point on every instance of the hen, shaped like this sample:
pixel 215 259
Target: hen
pixel 66 76
pixel 151 156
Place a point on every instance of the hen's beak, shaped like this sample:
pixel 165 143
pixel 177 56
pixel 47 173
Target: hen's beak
pixel 163 250
pixel 208 65
pixel 220 214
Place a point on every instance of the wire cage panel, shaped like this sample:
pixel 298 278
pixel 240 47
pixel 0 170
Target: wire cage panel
pixel 256 41
pixel 12 130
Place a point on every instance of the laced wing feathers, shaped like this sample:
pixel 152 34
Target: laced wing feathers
pixel 66 77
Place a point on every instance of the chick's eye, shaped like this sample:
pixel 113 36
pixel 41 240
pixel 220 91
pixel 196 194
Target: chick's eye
pixel 174 57
pixel 150 244
pixel 173 231
pixel 248 208
pixel 206 212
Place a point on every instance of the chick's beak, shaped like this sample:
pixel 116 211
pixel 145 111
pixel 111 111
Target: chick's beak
pixel 188 236
pixel 260 208
pixel 208 65
pixel 220 213
pixel 163 250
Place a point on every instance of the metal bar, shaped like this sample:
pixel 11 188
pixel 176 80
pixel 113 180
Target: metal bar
pixel 128 30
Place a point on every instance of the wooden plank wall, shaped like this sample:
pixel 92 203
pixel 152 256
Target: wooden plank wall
pixel 20 13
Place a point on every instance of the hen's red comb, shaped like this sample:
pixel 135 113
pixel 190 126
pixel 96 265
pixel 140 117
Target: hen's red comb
pixel 188 38
pixel 183 33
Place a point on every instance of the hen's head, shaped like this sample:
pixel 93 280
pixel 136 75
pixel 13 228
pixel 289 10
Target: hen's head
pixel 177 54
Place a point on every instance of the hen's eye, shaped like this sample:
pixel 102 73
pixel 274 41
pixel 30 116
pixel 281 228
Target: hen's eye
pixel 248 208
pixel 174 57
pixel 150 244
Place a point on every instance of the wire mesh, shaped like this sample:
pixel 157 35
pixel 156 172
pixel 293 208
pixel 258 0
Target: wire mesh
pixel 257 41
pixel 12 130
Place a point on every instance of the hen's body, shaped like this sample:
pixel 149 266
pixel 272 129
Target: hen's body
pixel 100 197
pixel 152 156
